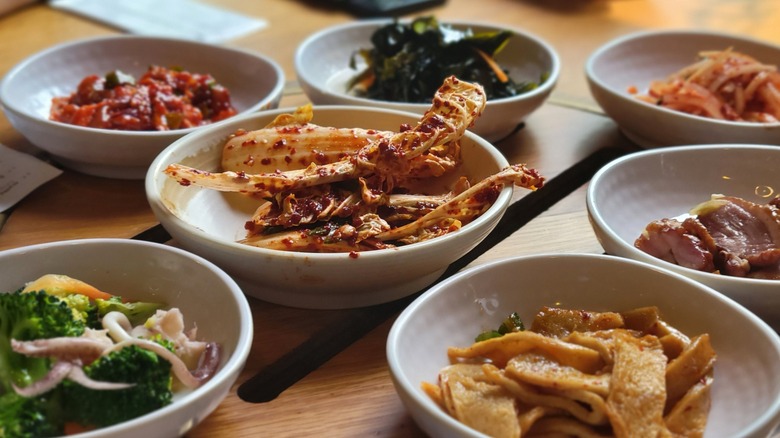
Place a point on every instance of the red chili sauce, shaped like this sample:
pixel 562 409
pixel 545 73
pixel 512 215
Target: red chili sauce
pixel 162 99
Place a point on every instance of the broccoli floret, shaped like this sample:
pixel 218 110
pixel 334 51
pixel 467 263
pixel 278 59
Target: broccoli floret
pixel 150 374
pixel 137 312
pixel 38 315
pixel 28 316
pixel 83 309
pixel 512 323
pixel 30 417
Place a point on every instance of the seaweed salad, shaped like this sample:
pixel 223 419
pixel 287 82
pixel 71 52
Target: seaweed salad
pixel 409 61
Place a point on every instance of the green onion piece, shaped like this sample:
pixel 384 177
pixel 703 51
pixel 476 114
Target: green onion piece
pixel 490 334
pixel 117 77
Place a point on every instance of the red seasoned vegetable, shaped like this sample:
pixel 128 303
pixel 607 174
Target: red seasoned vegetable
pixel 162 99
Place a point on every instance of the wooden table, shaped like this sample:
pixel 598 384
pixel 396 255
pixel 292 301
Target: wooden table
pixel 318 372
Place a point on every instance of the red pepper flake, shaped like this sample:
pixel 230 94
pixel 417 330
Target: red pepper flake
pixel 289 130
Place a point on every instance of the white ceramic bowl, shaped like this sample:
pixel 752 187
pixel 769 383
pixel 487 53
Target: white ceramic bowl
pixel 209 223
pixel 628 193
pixel 322 67
pixel 637 59
pixel 207 297
pixel 746 389
pixel 255 83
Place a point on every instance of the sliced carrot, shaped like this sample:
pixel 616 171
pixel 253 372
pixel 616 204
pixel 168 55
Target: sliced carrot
pixel 493 66
pixel 72 428
pixel 62 285
pixel 364 81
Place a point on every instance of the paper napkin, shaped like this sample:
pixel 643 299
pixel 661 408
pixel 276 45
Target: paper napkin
pixel 20 174
pixel 170 18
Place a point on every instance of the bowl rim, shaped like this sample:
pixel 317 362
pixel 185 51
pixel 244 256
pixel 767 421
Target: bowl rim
pixel 597 81
pixel 542 90
pixel 233 365
pixel 17 70
pixel 412 391
pixel 601 222
pixel 159 206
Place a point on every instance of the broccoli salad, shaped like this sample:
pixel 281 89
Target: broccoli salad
pixel 74 358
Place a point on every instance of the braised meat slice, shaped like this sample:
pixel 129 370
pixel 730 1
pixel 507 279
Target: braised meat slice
pixel 726 234
pixel 672 241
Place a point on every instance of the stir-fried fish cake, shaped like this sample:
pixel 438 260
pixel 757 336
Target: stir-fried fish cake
pixel 580 373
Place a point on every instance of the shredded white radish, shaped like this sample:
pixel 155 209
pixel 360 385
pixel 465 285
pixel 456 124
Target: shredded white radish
pixel 724 85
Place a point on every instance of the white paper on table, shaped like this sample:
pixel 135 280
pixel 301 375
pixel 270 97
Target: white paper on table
pixel 20 174
pixel 170 18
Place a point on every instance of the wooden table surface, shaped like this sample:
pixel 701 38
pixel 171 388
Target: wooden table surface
pixel 314 371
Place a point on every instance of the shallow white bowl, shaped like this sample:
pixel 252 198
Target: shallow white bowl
pixel 209 223
pixel 322 66
pixel 637 59
pixel 207 297
pixel 630 192
pixel 746 390
pixel 255 83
